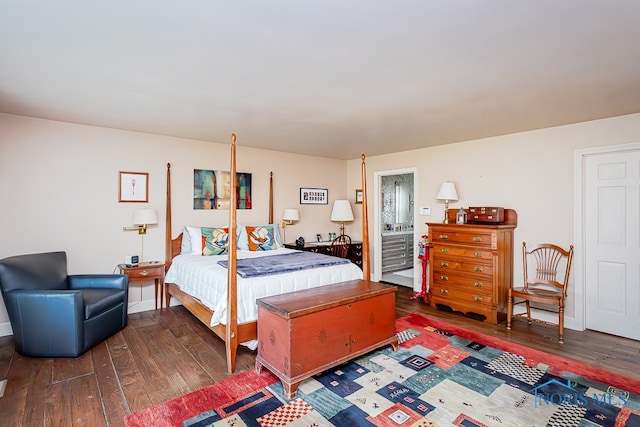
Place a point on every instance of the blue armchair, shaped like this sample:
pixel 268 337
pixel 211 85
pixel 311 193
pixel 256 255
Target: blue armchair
pixel 53 314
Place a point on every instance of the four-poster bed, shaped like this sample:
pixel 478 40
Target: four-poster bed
pixel 227 310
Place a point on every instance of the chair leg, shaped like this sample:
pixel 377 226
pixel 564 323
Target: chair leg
pixel 561 324
pixel 528 312
pixel 509 311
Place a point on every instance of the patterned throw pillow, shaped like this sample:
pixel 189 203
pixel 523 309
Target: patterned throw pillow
pixel 215 241
pixel 243 238
pixel 261 238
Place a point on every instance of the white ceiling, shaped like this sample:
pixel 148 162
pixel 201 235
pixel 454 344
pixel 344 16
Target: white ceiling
pixel 321 77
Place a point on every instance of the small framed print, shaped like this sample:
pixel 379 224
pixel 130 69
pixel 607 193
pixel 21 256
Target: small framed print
pixel 358 196
pixel 314 196
pixel 133 187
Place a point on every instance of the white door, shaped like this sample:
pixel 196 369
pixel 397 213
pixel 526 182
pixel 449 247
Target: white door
pixel 612 243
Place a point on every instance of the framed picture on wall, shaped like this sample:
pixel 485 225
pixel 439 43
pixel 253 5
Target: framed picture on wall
pixel 314 196
pixel 358 196
pixel 211 189
pixel 133 187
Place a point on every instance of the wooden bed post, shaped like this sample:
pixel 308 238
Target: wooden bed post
pixel 232 333
pixel 270 198
pixel 168 255
pixel 366 268
pixel 231 339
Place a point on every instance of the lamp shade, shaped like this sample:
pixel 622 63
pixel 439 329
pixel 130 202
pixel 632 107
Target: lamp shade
pixel 447 192
pixel 341 211
pixel 145 216
pixel 291 215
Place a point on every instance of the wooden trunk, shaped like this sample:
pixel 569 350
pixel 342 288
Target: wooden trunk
pixel 303 333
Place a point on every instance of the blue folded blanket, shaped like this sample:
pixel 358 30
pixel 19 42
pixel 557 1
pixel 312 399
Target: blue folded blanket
pixel 283 263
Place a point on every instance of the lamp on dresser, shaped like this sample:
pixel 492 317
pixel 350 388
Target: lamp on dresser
pixel 447 193
pixel 341 212
pixel 289 216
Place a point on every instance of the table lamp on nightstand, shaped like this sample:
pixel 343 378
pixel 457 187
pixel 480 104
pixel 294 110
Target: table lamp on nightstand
pixel 341 212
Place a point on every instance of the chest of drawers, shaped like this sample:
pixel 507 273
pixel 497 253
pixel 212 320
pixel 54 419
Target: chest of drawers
pixel 397 252
pixel 472 267
pixel 354 255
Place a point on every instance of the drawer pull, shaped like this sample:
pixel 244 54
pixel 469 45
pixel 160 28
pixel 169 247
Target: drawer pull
pixel 444 264
pixel 478 269
pixel 478 284
pixel 444 250
pixel 444 277
pixel 477 254
pixel 443 236
pixel 144 273
pixel 444 291
pixel 475 298
pixel 476 239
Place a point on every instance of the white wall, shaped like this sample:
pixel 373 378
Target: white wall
pixel 59 191
pixel 59 186
pixel 530 172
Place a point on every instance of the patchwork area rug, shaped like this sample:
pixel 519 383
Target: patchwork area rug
pixel 442 375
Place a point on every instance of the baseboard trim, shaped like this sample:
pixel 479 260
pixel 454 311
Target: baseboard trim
pixel 5 329
pixel 569 322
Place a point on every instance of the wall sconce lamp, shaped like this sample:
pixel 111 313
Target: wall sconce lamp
pixel 447 193
pixel 341 212
pixel 289 216
pixel 142 218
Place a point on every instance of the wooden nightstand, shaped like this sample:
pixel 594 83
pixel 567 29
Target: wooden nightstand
pixel 147 271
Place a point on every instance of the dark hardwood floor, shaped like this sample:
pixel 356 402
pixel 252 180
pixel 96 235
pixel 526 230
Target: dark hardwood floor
pixel 162 355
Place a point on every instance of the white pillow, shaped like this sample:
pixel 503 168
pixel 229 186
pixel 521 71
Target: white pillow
pixel 194 234
pixel 185 248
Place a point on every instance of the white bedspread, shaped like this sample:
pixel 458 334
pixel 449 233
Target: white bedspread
pixel 202 277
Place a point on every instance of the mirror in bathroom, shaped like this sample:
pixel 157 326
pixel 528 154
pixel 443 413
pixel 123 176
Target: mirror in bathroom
pixel 403 202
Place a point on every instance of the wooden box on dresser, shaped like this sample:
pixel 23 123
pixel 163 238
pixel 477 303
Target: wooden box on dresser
pixel 472 266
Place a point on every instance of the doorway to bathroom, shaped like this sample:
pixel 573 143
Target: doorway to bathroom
pixel 395 227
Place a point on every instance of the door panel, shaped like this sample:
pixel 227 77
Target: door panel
pixel 612 243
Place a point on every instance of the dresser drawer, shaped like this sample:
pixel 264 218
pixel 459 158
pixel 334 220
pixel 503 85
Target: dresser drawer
pixel 141 273
pixel 454 252
pixel 462 295
pixel 390 248
pixel 475 266
pixel 475 236
pixel 395 238
pixel 480 285
pixel 394 250
pixel 392 264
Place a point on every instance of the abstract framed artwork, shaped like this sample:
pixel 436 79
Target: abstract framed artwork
pixel 212 189
pixel 314 196
pixel 133 187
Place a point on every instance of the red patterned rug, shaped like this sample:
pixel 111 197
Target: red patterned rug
pixel 442 375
